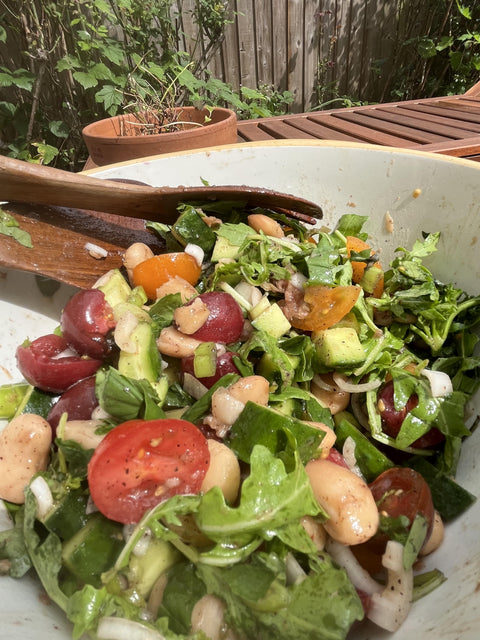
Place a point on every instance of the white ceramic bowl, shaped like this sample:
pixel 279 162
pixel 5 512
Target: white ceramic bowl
pixel 421 192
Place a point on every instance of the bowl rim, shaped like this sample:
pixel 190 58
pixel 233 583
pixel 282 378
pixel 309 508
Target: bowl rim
pixel 300 142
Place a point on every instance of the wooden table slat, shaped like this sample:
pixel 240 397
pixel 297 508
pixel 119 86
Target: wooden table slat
pixel 312 130
pixel 458 119
pixel 425 122
pixel 362 132
pixel 368 119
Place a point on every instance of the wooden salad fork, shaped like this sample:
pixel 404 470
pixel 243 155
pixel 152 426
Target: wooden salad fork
pixel 68 215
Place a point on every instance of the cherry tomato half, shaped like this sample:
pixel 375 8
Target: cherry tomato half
pixel 403 491
pixel 141 463
pixel 152 273
pixel 328 306
pixel 357 245
pixel 42 364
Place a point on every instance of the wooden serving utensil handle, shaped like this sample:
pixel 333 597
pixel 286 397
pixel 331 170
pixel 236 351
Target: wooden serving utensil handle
pixel 33 183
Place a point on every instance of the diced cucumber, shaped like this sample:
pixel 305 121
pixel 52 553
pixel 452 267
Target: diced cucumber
pixel 449 498
pixel 273 321
pixel 370 460
pixel 11 396
pixel 145 362
pixel 68 515
pixel 144 570
pixel 371 277
pixel 190 228
pixel 93 549
pixel 223 250
pixel 339 347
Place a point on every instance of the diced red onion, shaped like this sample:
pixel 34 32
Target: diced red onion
pixel 110 628
pixel 349 387
pixel 43 496
pixel 196 252
pixel 440 383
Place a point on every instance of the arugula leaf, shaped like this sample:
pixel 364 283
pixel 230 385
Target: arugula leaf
pixel 324 263
pixel 10 227
pixel 271 504
pixel 162 311
pixel 351 224
pixel 323 605
pixel 14 559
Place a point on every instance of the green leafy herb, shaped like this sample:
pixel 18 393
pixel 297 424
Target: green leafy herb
pixel 10 227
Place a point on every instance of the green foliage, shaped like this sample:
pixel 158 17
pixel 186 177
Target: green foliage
pixel 445 60
pixel 67 63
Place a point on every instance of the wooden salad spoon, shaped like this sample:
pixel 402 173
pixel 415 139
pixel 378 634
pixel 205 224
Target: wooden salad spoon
pixel 45 203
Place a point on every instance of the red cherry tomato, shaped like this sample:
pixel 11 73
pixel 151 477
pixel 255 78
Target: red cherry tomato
pixel 141 463
pixel 43 366
pixel 225 321
pixel 392 418
pixel 86 321
pixel 78 401
pixel 225 365
pixel 403 491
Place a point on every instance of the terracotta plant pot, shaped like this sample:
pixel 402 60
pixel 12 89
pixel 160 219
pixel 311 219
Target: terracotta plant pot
pixel 106 146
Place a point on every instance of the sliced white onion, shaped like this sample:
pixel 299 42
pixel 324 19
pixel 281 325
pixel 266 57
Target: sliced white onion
pixel 349 455
pixel 124 328
pixel 440 383
pixel 359 410
pixel 95 250
pixel 43 496
pixel 322 384
pixel 6 521
pixel 298 280
pixel 359 577
pixel 99 413
pixel 110 628
pixel 293 569
pixel 249 292
pixel 196 252
pixel 193 386
pixel 390 607
pixel 350 387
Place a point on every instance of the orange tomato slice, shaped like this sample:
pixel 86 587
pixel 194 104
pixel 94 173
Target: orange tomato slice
pixel 328 305
pixel 153 272
pixel 358 268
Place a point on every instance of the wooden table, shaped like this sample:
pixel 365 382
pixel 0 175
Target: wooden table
pixel 449 125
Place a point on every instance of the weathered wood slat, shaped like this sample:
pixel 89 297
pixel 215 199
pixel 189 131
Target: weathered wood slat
pixel 295 51
pixel 367 119
pixel 429 124
pixel 437 114
pixel 362 132
pixel 263 41
pixel 319 131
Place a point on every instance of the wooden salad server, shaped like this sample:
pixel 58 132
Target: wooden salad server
pixel 45 203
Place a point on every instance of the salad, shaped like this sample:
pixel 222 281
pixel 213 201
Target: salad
pixel 252 435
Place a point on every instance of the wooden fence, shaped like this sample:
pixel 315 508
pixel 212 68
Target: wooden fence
pixel 314 48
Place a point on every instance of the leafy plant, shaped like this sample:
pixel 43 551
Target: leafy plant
pixel 67 63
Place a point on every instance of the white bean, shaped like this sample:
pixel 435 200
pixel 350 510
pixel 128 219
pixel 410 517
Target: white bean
pixel 173 343
pixel 225 407
pixel 176 285
pixel 436 537
pixel 253 388
pixel 189 318
pixel 83 432
pixel 269 226
pixel 135 254
pixel 208 616
pixel 223 471
pixel 24 451
pixel 347 500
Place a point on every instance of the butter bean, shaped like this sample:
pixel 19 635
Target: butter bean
pixel 24 451
pixel 253 388
pixel 178 345
pixel 135 254
pixel 347 499
pixel 223 472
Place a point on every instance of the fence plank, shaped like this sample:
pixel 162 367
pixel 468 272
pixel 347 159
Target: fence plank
pixel 246 42
pixel 295 51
